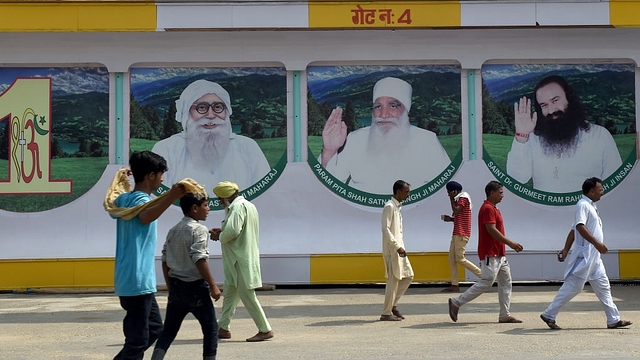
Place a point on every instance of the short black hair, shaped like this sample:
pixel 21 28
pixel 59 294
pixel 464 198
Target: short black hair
pixel 188 200
pixel 146 162
pixel 589 184
pixel 399 185
pixel 491 187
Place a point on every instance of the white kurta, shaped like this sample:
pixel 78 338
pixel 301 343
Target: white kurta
pixel 595 154
pixel 392 240
pixel 585 261
pixel 420 161
pixel 244 164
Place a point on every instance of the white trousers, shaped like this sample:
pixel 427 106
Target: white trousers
pixel 394 289
pixel 573 285
pixel 497 269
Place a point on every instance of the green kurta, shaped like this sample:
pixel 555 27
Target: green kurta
pixel 239 244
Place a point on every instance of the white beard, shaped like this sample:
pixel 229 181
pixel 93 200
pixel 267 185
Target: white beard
pixel 207 147
pixel 388 140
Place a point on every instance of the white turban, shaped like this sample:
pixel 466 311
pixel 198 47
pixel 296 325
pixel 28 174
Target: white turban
pixel 195 91
pixel 395 88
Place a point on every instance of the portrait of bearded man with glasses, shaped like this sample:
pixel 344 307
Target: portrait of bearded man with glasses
pixel 207 150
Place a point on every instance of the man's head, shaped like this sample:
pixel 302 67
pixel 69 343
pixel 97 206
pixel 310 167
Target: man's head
pixel 226 191
pixel 592 188
pixel 401 190
pixel 453 188
pixel 204 110
pixel 145 164
pixel 390 118
pixel 560 115
pixel 195 206
pixel 494 192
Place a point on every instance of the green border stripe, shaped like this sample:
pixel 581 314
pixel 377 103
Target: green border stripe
pixel 297 128
pixel 119 117
pixel 471 110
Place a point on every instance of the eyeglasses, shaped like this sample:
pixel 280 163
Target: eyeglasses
pixel 203 107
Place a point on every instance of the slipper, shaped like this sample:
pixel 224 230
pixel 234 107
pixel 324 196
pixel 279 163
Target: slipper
pixel 550 323
pixel 621 323
pixel 510 320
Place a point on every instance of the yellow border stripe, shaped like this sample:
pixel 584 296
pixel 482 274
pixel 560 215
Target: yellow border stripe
pixel 629 264
pixel 78 17
pixel 369 268
pixel 624 13
pixel 56 273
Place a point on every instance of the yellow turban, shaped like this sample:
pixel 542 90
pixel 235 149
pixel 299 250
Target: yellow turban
pixel 225 189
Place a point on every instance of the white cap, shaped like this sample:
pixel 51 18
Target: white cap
pixel 395 88
pixel 195 91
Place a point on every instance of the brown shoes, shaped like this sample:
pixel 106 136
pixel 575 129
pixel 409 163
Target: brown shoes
pixel 453 311
pixel 397 313
pixel 261 336
pixel 389 318
pixel 224 334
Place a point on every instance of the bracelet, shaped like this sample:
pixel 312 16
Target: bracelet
pixel 526 136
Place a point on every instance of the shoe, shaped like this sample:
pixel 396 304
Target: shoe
pixel 550 323
pixel 261 336
pixel 389 318
pixel 224 334
pixel 453 311
pixel 510 320
pixel 621 323
pixel 451 289
pixel 396 313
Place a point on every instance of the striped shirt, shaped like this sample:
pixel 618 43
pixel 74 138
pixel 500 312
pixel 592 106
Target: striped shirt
pixel 462 220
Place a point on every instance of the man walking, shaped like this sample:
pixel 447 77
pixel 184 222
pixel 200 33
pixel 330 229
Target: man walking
pixel 397 266
pixel 241 261
pixel 492 253
pixel 461 207
pixel 585 263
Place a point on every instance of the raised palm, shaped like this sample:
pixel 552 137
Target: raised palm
pixel 335 132
pixel 525 121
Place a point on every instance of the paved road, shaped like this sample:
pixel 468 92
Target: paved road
pixel 336 323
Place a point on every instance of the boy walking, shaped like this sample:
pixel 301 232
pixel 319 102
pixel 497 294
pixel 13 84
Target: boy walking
pixel 185 256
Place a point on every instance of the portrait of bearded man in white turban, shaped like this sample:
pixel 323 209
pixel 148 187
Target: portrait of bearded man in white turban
pixel 207 150
pixel 391 148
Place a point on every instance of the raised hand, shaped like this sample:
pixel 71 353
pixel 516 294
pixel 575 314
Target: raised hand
pixel 525 122
pixel 177 191
pixel 333 135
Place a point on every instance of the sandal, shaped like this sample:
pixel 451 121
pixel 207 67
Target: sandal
pixel 550 323
pixel 621 323
pixel 510 320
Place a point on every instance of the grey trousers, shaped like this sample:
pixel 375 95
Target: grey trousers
pixel 497 269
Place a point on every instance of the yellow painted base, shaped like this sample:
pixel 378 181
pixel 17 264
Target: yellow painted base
pixel 56 273
pixel 629 264
pixel 369 268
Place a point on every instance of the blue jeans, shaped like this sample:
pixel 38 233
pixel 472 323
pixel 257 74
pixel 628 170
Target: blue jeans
pixel 142 325
pixel 190 297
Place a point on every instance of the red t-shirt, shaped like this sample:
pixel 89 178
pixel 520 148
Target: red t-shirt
pixel 462 220
pixel 487 245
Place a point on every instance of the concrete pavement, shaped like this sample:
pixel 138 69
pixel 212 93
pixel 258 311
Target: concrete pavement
pixel 336 323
